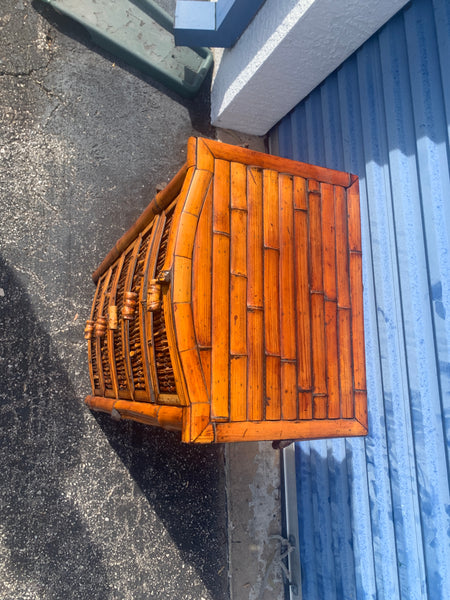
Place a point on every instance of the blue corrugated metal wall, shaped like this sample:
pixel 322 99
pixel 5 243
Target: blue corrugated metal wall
pixel 374 513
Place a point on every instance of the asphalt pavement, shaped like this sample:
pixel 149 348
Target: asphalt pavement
pixel 89 509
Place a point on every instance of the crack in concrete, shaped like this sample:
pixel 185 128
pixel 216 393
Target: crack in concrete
pixel 24 73
pixel 49 92
pixel 32 73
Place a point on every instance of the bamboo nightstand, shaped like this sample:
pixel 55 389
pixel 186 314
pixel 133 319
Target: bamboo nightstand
pixel 232 310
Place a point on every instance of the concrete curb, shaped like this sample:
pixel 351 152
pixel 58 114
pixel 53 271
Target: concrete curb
pixel 254 521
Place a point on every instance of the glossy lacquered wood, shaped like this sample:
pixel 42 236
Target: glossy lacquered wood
pixel 243 314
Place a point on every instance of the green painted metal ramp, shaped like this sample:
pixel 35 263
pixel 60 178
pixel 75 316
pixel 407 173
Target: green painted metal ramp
pixel 141 33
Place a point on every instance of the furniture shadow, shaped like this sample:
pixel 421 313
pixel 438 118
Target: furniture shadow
pixel 49 549
pixel 185 485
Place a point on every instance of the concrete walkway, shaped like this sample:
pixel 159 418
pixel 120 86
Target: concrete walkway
pixel 89 508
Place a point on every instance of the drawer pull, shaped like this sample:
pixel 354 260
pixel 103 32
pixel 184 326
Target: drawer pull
pixel 112 317
pixel 129 305
pixel 89 329
pixel 154 296
pixel 100 327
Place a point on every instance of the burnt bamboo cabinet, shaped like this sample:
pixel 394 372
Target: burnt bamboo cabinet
pixel 232 310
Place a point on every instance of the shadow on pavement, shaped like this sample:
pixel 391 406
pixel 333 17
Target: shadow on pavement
pixel 50 552
pixel 54 549
pixel 185 485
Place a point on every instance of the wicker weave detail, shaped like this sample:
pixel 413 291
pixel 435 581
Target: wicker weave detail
pixel 106 367
pixel 164 369
pixel 118 344
pixel 93 340
pixel 137 365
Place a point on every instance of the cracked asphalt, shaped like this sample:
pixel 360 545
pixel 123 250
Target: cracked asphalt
pixel 89 509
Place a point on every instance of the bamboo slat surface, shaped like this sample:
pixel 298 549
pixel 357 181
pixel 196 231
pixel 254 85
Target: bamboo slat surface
pixel 260 331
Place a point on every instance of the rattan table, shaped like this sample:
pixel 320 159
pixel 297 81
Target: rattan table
pixel 232 309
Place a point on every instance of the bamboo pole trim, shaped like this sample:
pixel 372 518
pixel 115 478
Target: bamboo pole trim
pixel 283 165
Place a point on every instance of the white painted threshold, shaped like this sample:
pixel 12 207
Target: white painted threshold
pixel 288 49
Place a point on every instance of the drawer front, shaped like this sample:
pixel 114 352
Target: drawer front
pixel 128 350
